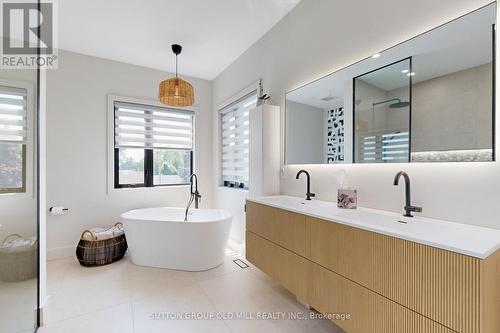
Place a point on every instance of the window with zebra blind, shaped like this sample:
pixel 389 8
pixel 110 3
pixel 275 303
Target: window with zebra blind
pixel 153 145
pixel 235 126
pixel 13 139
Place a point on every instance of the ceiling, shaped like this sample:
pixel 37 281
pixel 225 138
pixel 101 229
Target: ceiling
pixel 460 44
pixel 213 33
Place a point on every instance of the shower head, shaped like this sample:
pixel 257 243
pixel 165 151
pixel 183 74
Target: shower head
pixel 396 105
pixel 399 104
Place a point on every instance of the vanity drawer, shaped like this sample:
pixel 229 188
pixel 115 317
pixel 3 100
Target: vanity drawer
pixel 282 227
pixel 386 265
pixel 370 312
pixel 291 270
pixel 438 284
pixel 450 290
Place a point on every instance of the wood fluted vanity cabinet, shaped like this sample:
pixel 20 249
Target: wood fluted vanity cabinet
pixel 377 278
pixel 282 227
pixel 333 294
pixel 285 266
pixel 451 289
pixel 387 265
pixel 369 312
pixel 489 316
pixel 436 283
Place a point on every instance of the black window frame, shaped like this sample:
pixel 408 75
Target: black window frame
pixel 22 188
pixel 148 164
pixel 148 170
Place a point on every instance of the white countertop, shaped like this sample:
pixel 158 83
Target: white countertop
pixel 466 239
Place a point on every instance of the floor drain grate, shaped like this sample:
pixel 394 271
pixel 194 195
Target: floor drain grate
pixel 241 263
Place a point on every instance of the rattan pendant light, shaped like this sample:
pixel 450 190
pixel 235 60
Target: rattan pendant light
pixel 176 91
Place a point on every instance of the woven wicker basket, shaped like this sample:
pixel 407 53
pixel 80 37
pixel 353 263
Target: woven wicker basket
pixel 18 264
pixel 100 252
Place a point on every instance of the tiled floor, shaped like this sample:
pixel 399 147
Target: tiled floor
pixel 17 306
pixel 126 298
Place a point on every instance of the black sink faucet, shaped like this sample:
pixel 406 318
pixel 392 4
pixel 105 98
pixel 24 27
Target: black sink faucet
pixel 309 194
pixel 408 207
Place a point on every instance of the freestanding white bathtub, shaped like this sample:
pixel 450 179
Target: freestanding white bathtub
pixel 159 237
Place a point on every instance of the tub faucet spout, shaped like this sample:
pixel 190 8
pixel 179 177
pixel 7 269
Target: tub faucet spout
pixel 195 195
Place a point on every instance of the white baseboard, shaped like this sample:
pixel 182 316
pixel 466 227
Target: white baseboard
pixel 61 252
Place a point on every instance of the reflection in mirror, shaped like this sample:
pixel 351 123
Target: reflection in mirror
pixel 429 99
pixel 18 201
pixel 317 124
pixel 382 114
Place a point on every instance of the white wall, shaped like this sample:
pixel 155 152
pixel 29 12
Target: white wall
pixel 305 129
pixel 320 36
pixel 77 146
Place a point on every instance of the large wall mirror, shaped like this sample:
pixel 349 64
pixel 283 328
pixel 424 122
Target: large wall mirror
pixel 429 99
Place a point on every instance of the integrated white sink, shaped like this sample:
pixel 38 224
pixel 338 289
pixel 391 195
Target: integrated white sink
pixel 466 239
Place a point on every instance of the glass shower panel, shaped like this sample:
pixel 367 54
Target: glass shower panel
pixel 382 113
pixel 18 201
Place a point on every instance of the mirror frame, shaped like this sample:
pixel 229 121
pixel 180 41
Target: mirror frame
pixel 410 78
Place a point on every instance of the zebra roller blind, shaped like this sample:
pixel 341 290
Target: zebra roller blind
pixel 235 126
pixel 13 115
pixel 151 127
pixel 388 147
